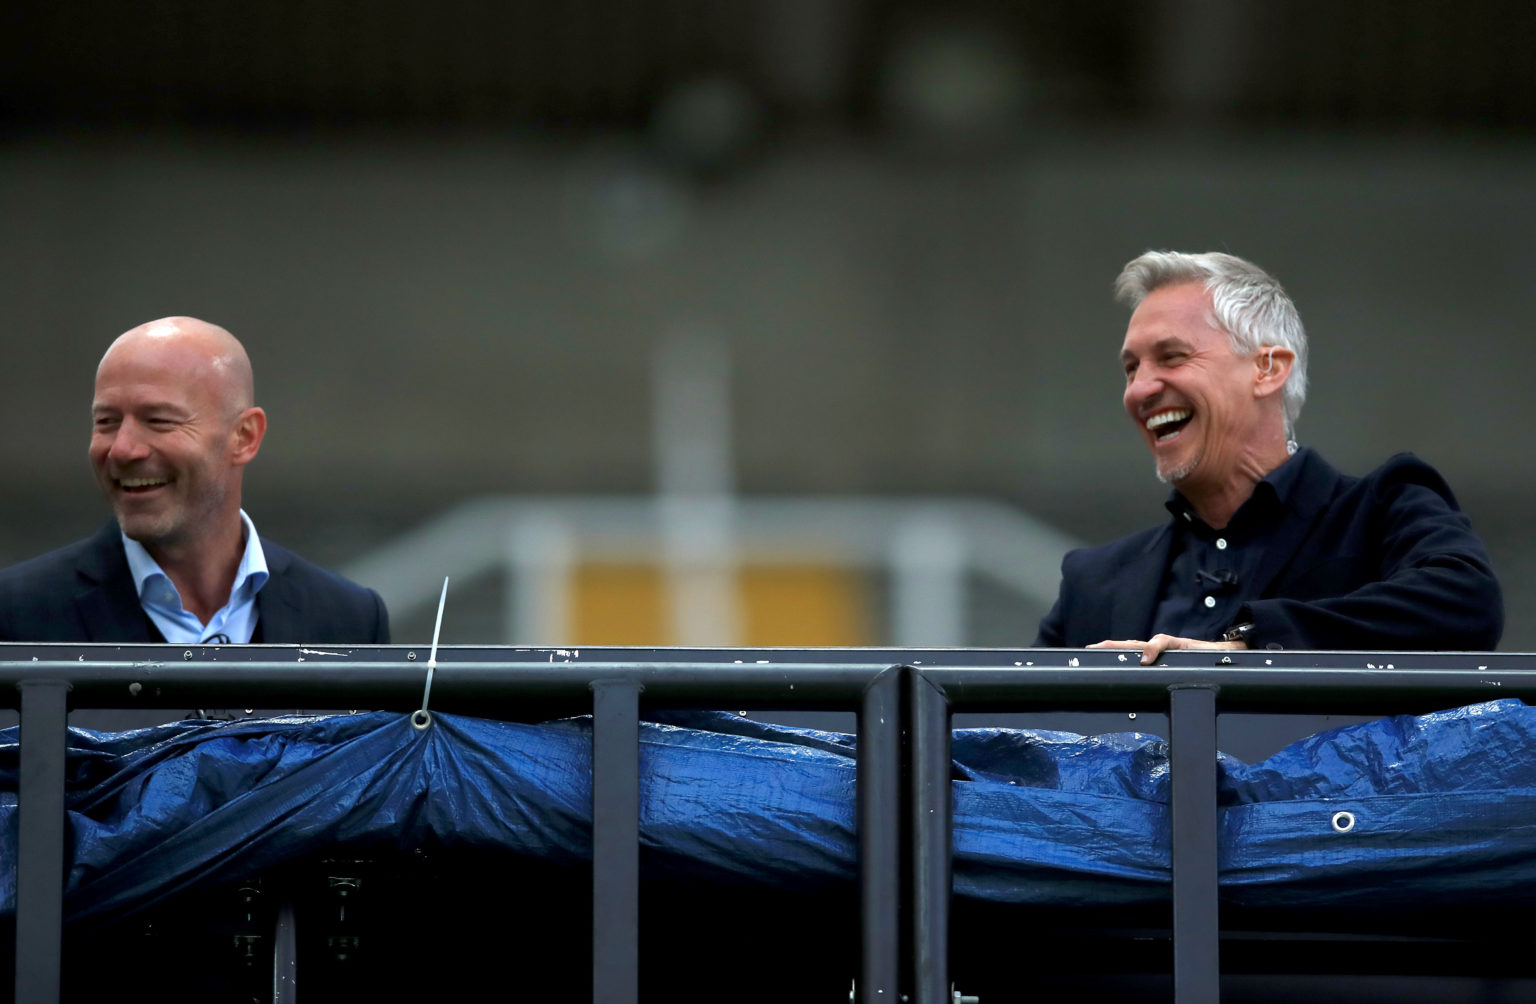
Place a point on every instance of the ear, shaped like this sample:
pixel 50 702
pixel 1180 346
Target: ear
pixel 1272 365
pixel 245 439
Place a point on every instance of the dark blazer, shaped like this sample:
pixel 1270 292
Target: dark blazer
pixel 85 593
pixel 1387 562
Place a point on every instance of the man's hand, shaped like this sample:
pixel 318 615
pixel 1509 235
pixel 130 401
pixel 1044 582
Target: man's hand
pixel 1160 643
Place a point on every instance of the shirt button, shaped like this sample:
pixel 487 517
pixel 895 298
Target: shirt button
pixel 1210 601
pixel 1221 543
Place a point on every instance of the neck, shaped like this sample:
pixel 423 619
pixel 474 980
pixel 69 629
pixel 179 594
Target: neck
pixel 1217 503
pixel 203 570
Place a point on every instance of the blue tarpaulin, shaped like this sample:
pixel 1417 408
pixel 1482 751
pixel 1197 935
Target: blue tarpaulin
pixel 1442 805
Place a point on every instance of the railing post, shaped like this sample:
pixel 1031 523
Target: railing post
pixel 285 955
pixel 615 842
pixel 40 842
pixel 879 821
pixel 1193 829
pixel 932 840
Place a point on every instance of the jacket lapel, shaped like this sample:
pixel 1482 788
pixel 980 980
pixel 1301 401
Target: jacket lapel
pixel 1314 487
pixel 279 608
pixel 1136 587
pixel 107 601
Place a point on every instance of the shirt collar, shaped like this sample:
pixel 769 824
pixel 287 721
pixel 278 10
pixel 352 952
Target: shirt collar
pixel 1275 490
pixel 147 572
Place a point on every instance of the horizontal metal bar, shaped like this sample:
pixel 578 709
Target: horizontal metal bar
pixel 27 652
pixel 386 678
pixel 454 686
pixel 1332 690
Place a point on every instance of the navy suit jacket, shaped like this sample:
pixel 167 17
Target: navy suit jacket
pixel 84 592
pixel 1387 562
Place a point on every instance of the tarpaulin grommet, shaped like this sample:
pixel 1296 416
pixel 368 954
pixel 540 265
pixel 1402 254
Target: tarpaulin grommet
pixel 1343 821
pixel 421 720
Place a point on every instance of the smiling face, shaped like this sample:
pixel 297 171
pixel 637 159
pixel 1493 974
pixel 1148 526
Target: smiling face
pixel 172 428
pixel 1190 395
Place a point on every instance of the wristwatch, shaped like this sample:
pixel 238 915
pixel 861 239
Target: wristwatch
pixel 1242 632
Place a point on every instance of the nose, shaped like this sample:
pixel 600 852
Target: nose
pixel 1142 390
pixel 128 443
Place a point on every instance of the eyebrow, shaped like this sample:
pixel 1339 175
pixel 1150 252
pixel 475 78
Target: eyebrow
pixel 154 408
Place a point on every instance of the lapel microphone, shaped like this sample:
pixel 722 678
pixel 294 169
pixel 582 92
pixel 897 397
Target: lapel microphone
pixel 1220 582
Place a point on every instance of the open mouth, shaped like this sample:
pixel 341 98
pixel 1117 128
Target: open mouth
pixel 139 486
pixel 1165 425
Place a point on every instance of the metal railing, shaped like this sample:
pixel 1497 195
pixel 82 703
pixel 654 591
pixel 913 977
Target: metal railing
pixel 903 699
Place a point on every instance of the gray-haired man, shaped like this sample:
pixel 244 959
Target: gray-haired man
pixel 1268 544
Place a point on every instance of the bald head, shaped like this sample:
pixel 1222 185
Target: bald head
pixel 202 352
pixel 173 425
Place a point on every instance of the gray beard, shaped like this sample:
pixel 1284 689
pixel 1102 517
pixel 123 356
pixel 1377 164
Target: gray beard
pixel 1178 474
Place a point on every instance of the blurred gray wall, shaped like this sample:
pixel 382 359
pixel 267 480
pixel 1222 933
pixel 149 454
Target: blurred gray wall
pixel 436 312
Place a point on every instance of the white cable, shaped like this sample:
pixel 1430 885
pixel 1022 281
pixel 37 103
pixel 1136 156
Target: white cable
pixel 422 719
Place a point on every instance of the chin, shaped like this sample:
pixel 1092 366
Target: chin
pixel 1175 475
pixel 145 530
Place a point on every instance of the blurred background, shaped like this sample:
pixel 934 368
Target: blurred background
pixel 754 321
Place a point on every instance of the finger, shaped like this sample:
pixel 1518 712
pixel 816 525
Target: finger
pixel 1155 647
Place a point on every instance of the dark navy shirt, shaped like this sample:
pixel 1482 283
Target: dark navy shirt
pixel 1203 587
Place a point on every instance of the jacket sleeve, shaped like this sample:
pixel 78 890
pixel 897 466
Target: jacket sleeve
pixel 1061 628
pixel 381 619
pixel 1050 634
pixel 1433 587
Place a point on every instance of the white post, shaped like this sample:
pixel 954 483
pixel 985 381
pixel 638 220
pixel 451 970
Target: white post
pixel 695 506
pixel 927 564
pixel 541 551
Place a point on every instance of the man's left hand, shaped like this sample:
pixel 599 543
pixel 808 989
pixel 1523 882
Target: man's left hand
pixel 1160 643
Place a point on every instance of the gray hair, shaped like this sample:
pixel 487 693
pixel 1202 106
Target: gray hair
pixel 1249 306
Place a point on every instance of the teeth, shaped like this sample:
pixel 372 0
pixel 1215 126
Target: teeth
pixel 141 482
pixel 1164 417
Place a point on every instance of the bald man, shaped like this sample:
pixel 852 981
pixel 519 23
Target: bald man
pixel 173 425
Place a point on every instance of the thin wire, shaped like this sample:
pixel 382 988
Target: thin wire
pixel 442 601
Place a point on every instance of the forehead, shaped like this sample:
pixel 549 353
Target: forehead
pixel 1179 313
pixel 151 371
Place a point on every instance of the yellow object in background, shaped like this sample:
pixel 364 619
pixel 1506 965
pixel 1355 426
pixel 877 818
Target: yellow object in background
pixel 801 605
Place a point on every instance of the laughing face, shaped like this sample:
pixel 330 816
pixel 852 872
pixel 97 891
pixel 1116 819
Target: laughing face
pixel 1187 391
pixel 170 433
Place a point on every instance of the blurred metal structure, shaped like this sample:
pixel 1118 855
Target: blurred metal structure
pixel 616 62
pixel 927 548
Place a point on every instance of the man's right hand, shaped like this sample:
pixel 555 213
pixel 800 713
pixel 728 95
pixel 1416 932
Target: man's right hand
pixel 1160 643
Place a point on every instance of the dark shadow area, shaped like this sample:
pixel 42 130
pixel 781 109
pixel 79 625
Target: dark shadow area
pixel 460 924
pixel 456 924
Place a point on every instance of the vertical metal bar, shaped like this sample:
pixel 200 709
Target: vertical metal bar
pixel 285 955
pixel 932 840
pixel 40 842
pixel 615 842
pixel 1193 826
pixel 879 819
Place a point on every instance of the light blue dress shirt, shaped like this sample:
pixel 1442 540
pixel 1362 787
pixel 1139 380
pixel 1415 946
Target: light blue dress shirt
pixel 233 622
